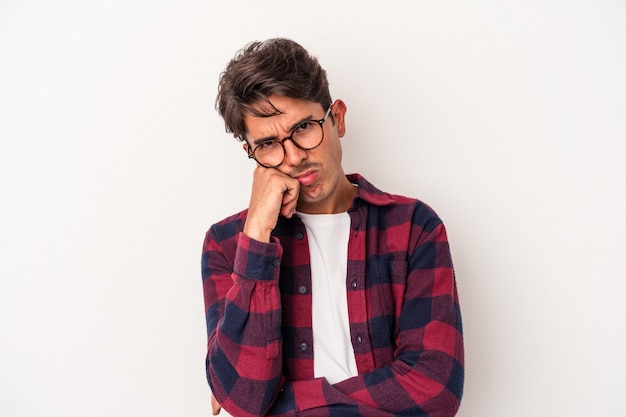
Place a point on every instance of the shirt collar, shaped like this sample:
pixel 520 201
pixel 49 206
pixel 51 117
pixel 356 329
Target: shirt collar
pixel 368 193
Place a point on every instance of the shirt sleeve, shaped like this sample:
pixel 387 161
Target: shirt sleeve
pixel 242 306
pixel 425 379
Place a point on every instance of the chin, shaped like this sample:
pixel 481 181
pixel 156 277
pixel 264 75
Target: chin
pixel 314 197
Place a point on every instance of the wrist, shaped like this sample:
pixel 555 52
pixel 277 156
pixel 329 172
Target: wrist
pixel 257 233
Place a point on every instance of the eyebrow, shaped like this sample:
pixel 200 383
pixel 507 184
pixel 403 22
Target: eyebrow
pixel 291 128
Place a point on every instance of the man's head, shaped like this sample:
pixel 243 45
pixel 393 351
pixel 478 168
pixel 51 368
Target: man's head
pixel 275 67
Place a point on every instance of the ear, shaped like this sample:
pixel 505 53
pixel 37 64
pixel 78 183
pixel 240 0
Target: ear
pixel 338 111
pixel 246 147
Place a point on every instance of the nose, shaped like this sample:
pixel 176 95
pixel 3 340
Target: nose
pixel 293 155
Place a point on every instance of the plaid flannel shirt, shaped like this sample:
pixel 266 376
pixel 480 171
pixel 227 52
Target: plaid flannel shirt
pixel 405 322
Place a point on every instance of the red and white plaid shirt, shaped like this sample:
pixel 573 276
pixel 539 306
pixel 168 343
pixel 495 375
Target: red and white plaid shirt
pixel 405 322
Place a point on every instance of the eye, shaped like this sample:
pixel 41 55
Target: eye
pixel 302 127
pixel 268 144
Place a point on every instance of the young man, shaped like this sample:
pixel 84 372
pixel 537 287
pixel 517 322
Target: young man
pixel 326 297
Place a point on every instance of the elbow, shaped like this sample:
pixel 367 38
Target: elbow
pixel 238 395
pixel 448 401
pixel 246 398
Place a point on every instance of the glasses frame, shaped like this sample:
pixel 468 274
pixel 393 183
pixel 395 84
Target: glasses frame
pixel 290 137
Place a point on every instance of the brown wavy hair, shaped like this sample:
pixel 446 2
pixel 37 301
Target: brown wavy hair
pixel 261 69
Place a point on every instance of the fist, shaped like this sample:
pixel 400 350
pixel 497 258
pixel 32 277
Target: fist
pixel 273 194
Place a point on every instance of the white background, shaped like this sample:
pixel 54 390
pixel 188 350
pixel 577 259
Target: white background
pixel 508 117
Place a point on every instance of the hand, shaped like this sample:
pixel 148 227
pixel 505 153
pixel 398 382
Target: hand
pixel 215 405
pixel 273 193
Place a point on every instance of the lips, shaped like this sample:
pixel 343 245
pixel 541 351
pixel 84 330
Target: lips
pixel 307 178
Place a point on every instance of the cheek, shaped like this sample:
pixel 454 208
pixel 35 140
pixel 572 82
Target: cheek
pixel 329 153
pixel 336 152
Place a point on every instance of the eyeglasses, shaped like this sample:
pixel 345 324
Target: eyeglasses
pixel 306 135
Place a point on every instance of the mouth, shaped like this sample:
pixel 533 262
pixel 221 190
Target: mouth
pixel 307 178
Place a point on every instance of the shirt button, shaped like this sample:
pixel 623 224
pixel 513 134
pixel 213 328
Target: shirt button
pixel 354 284
pixel 302 289
pixel 303 346
pixel 359 339
pixel 299 236
pixel 276 263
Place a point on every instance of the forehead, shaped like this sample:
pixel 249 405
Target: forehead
pixel 287 112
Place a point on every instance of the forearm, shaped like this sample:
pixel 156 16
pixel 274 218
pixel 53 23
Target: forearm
pixel 427 387
pixel 244 355
pixel 244 366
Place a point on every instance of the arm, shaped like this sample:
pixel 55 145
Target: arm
pixel 240 272
pixel 244 351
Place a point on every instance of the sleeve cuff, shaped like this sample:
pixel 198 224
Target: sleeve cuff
pixel 256 260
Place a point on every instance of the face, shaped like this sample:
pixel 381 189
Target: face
pixel 324 187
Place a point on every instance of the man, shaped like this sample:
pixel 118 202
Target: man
pixel 326 297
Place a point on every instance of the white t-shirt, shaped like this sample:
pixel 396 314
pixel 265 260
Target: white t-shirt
pixel 328 246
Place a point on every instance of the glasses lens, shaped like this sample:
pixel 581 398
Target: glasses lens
pixel 308 134
pixel 270 154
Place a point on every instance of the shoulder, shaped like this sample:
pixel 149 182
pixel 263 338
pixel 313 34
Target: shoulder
pixel 395 208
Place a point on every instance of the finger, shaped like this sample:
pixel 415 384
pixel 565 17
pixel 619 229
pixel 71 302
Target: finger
pixel 288 210
pixel 290 200
pixel 215 406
